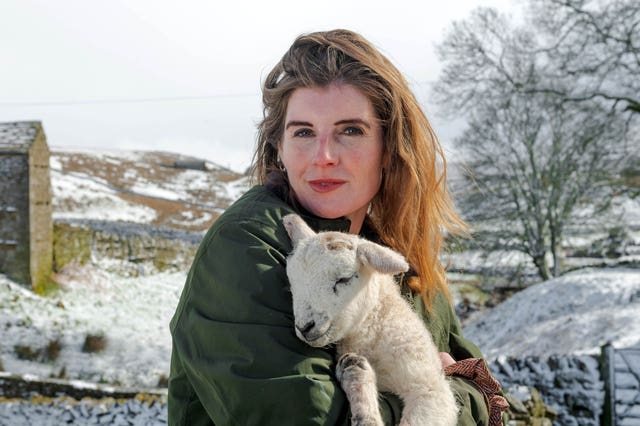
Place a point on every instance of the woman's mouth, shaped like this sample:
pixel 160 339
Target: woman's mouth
pixel 326 185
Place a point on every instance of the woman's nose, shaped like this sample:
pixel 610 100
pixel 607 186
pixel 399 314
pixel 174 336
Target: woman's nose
pixel 325 151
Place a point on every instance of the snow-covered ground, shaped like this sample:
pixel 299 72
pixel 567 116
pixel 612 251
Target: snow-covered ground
pixel 131 313
pixel 574 314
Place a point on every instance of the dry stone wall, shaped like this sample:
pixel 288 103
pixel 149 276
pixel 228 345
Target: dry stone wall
pixel 135 248
pixel 570 385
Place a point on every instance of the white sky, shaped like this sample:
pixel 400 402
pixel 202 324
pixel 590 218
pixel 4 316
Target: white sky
pixel 185 76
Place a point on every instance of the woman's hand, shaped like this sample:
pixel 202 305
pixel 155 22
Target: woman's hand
pixel 446 359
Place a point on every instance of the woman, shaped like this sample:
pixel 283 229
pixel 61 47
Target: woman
pixel 344 143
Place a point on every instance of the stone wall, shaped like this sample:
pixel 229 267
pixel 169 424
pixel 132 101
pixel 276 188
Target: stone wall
pixel 17 386
pixel 133 249
pixel 14 216
pixel 570 385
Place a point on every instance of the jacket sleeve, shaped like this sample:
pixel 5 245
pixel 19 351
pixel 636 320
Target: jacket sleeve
pixel 472 402
pixel 233 340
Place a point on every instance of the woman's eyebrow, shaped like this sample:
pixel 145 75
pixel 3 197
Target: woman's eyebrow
pixel 360 121
pixel 353 121
pixel 298 124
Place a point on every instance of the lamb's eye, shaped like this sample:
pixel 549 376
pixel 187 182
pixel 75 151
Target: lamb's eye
pixel 344 280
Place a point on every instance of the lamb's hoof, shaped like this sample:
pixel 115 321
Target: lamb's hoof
pixel 361 420
pixel 349 359
pixel 353 363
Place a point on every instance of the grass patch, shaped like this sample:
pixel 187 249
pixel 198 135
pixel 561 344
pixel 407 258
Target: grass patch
pixel 94 343
pixel 52 349
pixel 27 353
pixel 46 287
pixel 49 353
pixel 163 381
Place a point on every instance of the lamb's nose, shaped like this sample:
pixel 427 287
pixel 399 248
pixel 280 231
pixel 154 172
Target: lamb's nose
pixel 306 328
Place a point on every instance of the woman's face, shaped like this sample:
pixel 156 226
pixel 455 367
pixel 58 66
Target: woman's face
pixel 332 150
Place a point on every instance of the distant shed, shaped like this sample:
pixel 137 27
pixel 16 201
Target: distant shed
pixel 190 164
pixel 25 204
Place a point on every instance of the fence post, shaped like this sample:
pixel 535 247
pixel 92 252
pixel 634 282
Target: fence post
pixel 607 370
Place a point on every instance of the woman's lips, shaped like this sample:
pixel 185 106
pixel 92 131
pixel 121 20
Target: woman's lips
pixel 326 185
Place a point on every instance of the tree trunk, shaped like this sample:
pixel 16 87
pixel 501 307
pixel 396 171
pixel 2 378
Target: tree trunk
pixel 556 252
pixel 540 261
pixel 558 259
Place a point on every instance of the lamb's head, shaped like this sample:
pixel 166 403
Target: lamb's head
pixel 331 278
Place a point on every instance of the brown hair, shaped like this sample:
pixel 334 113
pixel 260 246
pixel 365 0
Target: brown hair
pixel 413 209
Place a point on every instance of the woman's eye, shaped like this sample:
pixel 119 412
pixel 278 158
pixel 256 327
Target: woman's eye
pixel 353 131
pixel 302 133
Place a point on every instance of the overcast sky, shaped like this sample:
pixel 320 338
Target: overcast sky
pixel 185 76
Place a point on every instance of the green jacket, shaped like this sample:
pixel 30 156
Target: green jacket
pixel 236 359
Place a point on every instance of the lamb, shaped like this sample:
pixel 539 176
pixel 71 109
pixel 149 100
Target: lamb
pixel 344 293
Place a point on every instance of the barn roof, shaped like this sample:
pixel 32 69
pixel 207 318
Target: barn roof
pixel 18 135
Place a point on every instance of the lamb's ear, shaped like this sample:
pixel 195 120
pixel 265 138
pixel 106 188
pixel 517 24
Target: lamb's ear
pixel 296 228
pixel 382 259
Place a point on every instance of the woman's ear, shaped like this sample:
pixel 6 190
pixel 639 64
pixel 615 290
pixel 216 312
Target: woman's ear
pixel 279 162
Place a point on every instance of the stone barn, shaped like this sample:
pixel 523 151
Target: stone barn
pixel 25 204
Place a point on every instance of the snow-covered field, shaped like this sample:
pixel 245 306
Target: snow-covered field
pixel 574 314
pixel 131 313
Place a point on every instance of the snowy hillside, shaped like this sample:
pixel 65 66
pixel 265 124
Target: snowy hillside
pixel 574 314
pixel 141 187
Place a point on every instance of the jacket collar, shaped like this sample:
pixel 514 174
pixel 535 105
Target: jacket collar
pixel 319 224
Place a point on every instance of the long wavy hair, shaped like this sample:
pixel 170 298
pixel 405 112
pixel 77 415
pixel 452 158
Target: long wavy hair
pixel 413 210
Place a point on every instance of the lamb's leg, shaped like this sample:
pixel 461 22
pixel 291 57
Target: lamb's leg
pixel 436 407
pixel 359 383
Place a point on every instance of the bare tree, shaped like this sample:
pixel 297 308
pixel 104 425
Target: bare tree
pixel 546 130
pixel 581 50
pixel 532 161
pixel 484 59
pixel 593 47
